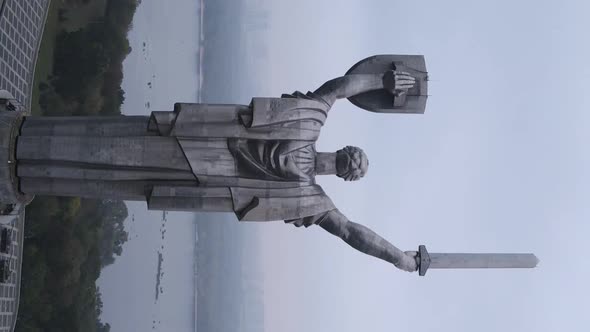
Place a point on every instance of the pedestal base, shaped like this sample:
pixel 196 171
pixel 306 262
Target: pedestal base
pixel 10 122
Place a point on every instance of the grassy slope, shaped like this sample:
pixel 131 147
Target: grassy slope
pixel 75 19
pixel 44 66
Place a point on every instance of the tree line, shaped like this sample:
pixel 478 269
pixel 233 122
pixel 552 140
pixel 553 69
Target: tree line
pixel 69 240
pixel 88 65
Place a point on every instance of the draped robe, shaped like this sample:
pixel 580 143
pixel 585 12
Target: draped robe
pixel 257 161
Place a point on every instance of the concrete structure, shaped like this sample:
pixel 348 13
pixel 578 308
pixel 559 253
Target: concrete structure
pixel 258 161
pixel 21 27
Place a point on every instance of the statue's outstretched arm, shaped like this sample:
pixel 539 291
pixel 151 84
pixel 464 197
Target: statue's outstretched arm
pixel 365 240
pixel 351 85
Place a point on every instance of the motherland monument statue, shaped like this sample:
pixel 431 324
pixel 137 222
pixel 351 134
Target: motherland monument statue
pixel 258 161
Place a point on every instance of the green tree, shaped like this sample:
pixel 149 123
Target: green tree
pixel 68 240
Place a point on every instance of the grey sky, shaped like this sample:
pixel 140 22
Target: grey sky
pixel 497 163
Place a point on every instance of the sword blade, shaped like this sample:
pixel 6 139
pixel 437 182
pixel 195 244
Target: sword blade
pixel 482 261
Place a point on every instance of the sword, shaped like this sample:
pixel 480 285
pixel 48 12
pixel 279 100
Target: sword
pixel 473 261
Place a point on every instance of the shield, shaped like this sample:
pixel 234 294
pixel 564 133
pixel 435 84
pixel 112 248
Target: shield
pixel 382 101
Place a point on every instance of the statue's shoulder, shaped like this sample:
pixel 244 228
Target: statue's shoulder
pixel 288 108
pixel 306 96
pixel 295 100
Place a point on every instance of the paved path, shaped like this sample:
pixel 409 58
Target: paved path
pixel 21 28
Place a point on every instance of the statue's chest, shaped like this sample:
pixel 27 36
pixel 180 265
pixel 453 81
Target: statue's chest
pixel 300 163
pixel 275 160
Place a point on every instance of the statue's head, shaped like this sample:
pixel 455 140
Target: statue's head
pixel 351 163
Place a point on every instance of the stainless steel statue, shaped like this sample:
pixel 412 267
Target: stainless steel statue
pixel 258 161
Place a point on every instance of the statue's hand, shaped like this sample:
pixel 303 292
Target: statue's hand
pixel 411 261
pixel 398 82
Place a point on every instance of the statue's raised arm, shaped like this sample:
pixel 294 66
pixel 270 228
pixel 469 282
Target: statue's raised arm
pixel 382 84
pixel 395 82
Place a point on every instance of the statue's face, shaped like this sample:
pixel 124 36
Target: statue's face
pixel 351 163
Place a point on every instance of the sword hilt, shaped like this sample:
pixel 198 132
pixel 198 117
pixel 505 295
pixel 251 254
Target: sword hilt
pixel 423 260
